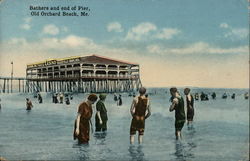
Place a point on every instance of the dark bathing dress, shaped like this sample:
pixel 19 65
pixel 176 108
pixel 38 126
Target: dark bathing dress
pixel 190 108
pixel 179 114
pixel 84 127
pixel 103 113
pixel 138 121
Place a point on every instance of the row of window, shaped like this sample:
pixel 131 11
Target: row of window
pixel 84 75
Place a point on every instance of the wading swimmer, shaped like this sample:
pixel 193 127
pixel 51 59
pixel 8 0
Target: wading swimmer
pixel 28 104
pixel 101 116
pixel 40 99
pixel 178 106
pixel 83 120
pixel 119 102
pixel 190 106
pixel 61 97
pixel 140 110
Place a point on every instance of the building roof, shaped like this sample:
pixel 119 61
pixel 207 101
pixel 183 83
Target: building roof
pixel 89 59
pixel 105 60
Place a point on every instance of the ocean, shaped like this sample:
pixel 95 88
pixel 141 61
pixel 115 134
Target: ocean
pixel 220 129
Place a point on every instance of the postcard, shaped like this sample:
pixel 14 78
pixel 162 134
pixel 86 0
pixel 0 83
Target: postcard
pixel 124 80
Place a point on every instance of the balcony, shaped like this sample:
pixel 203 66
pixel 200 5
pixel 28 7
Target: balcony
pixel 88 76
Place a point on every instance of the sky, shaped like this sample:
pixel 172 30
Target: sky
pixel 196 43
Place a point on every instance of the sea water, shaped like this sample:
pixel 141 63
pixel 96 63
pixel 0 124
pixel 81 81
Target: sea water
pixel 220 129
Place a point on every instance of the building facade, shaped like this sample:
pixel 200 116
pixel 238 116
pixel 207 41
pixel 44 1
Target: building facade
pixel 83 74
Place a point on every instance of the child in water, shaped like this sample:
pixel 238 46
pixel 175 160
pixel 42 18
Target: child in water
pixel 28 104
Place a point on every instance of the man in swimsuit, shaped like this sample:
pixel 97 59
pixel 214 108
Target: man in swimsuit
pixel 190 106
pixel 178 106
pixel 140 110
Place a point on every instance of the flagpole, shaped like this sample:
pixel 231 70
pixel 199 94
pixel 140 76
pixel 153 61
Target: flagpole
pixel 11 74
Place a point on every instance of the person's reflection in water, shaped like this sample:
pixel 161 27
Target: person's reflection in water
pixel 185 150
pixel 191 143
pixel 179 150
pixel 83 153
pixel 100 137
pixel 136 153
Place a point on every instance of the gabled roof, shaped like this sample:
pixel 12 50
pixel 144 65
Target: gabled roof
pixel 104 60
pixel 89 59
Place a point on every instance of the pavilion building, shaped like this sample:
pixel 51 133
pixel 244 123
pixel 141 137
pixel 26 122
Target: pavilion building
pixel 83 74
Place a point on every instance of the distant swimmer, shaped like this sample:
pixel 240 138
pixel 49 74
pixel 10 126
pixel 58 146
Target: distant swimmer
pixel 83 120
pixel 140 111
pixel 204 96
pixel 196 96
pixel 28 104
pixel 67 101
pixel 190 105
pixel 56 98
pixel 119 101
pixel 40 99
pixel 224 96
pixel 53 98
pixel 61 97
pixel 115 97
pixel 101 117
pixel 213 95
pixel 233 96
pixel 246 95
pixel 178 106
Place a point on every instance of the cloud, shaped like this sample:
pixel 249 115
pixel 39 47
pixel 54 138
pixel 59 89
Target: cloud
pixel 114 26
pixel 140 31
pixel 234 33
pixel 76 41
pixel 51 29
pixel 167 33
pixel 27 19
pixel 237 33
pixel 224 25
pixel 149 31
pixel 197 48
pixel 26 25
pixel 17 41
pixel 25 51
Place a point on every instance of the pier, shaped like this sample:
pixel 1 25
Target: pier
pixel 12 84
